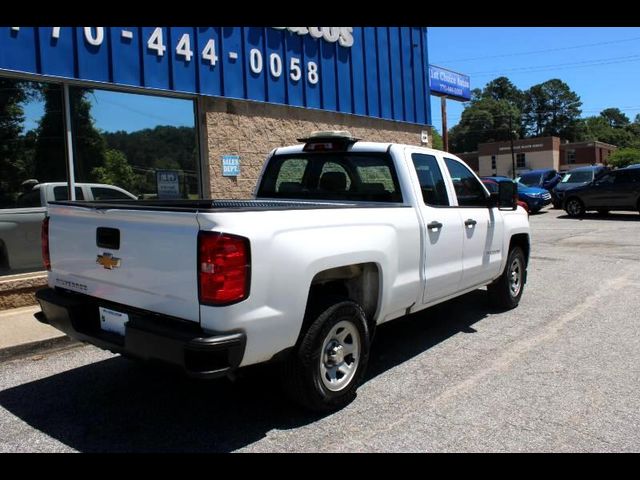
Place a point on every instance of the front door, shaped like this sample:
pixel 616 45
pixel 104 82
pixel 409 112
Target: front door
pixel 483 227
pixel 442 230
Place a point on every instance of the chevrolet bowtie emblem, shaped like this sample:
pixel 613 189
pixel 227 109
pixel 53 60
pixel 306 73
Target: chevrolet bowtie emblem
pixel 108 261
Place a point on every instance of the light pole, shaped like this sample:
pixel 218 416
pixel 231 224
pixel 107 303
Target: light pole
pixel 513 157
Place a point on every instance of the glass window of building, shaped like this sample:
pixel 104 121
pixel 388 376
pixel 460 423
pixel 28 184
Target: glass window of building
pixel 144 145
pixel 32 156
pixel 121 142
pixel 520 160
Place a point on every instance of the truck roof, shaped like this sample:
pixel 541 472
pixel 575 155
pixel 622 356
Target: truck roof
pixel 359 146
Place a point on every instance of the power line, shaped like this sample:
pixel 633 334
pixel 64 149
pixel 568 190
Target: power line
pixel 600 61
pixel 533 52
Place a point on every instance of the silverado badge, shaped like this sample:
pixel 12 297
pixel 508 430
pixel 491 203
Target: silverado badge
pixel 108 261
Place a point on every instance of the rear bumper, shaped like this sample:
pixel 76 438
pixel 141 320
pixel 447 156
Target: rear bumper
pixel 147 336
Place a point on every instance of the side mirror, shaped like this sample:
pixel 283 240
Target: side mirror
pixel 507 195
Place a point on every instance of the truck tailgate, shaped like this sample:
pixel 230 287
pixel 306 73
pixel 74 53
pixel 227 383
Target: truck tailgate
pixel 151 266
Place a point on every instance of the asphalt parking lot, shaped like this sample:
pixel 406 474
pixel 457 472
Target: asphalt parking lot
pixel 558 374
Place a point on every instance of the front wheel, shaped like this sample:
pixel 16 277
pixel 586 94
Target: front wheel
pixel 506 291
pixel 323 373
pixel 574 207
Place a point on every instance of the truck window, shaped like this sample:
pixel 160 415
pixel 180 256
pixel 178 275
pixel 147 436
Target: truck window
pixel 103 193
pixel 368 177
pixel 469 190
pixel 62 193
pixel 434 191
pixel 29 199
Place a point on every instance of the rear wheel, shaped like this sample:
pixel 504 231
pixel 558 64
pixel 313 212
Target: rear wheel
pixel 506 291
pixel 574 207
pixel 323 373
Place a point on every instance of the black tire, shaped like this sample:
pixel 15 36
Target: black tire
pixel 301 372
pixel 603 212
pixel 501 292
pixel 574 207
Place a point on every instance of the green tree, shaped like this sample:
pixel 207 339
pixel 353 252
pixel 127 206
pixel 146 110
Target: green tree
pixel 615 118
pixel 624 156
pixel 117 171
pixel 437 140
pixel 89 146
pixel 484 120
pixel 552 108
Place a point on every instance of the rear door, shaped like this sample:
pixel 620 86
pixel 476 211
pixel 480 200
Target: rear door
pixel 483 226
pixel 442 229
pixel 142 259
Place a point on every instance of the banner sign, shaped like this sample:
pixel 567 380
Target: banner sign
pixel 450 84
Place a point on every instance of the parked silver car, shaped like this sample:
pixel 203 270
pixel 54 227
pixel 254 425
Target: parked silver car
pixel 20 226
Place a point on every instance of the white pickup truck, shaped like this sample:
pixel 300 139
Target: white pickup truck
pixel 342 235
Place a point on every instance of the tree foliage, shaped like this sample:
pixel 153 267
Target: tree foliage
pixel 624 156
pixel 552 109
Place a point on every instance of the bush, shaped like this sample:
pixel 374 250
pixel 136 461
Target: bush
pixel 624 156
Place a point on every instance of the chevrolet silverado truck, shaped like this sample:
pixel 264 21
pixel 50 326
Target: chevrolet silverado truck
pixel 341 236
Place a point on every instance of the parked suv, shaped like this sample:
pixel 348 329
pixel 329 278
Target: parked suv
pixel 546 178
pixel 575 178
pixel 615 190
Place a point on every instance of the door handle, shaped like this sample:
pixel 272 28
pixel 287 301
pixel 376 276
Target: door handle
pixel 470 222
pixel 434 225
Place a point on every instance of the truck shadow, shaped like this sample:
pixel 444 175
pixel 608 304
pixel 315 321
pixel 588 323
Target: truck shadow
pixel 117 405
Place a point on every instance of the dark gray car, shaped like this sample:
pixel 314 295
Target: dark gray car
pixel 615 190
pixel 574 178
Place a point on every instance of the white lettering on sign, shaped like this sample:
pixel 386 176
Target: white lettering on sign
pixel 342 35
pixel 184 49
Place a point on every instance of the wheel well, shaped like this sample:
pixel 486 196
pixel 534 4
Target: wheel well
pixel 521 240
pixel 360 283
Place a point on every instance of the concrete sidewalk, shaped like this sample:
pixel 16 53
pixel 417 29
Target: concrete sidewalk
pixel 21 333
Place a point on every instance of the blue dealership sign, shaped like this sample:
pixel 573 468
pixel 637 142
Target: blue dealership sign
pixel 230 165
pixel 444 82
pixel 373 71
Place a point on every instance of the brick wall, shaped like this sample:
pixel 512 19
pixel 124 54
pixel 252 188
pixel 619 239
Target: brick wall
pixel 251 130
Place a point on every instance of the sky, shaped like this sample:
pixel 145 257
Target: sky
pixel 601 65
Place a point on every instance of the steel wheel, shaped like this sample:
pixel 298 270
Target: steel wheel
pixel 340 356
pixel 515 277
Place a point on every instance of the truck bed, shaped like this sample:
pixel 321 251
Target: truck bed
pixel 249 205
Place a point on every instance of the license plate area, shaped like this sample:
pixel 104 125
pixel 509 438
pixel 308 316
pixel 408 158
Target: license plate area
pixel 112 321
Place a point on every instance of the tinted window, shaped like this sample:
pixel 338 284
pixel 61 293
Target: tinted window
pixel 62 193
pixel 531 180
pixel 469 190
pixel 430 178
pixel 578 177
pixel 102 193
pixel 29 199
pixel 331 176
pixel 623 177
pixel 290 176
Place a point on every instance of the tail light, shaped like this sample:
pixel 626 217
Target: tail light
pixel 46 259
pixel 223 268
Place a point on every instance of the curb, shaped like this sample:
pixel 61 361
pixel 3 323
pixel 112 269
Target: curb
pixel 56 343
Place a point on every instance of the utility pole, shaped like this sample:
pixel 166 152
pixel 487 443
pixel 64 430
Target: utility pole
pixel 513 157
pixel 445 135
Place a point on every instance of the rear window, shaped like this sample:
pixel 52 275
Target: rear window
pixel 369 177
